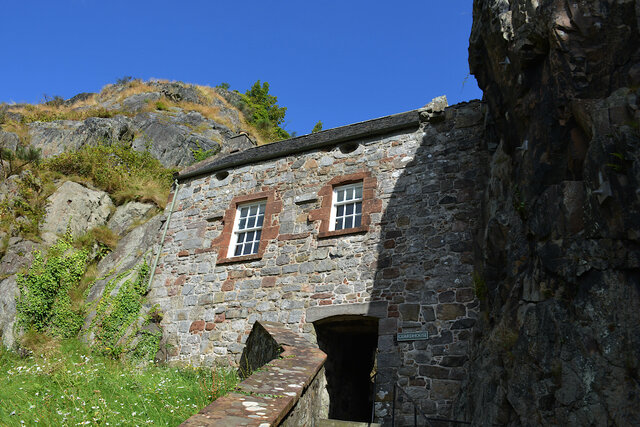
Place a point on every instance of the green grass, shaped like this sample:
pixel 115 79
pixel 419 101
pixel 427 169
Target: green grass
pixel 67 385
pixel 117 169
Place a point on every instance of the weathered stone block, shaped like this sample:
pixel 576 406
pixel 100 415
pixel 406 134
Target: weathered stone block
pixel 450 311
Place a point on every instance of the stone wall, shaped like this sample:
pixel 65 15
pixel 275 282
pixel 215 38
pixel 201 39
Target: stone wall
pixel 410 265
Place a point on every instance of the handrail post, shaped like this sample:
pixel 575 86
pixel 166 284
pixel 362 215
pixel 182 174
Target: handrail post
pixel 393 407
pixel 373 398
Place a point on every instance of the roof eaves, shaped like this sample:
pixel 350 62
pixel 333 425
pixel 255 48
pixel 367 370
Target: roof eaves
pixel 304 143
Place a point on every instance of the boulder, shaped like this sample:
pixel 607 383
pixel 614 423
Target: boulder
pixel 126 215
pixel 77 208
pixel 178 92
pixel 17 256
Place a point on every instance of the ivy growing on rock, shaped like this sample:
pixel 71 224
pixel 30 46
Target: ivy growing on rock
pixel 44 304
pixel 115 314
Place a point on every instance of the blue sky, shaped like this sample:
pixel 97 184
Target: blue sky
pixel 335 61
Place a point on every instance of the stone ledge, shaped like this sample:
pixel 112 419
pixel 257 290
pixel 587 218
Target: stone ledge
pixel 374 309
pixel 267 397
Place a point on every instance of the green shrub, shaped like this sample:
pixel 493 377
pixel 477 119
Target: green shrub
pixel 44 303
pixel 161 106
pixel 317 128
pixel 19 159
pixel 200 154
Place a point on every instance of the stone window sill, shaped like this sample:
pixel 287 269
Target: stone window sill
pixel 242 258
pixel 346 231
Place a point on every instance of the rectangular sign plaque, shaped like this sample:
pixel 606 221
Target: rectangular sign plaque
pixel 413 336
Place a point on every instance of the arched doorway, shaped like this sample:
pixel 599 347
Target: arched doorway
pixel 350 342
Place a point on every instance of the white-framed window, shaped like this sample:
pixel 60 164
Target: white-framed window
pixel 346 209
pixel 247 229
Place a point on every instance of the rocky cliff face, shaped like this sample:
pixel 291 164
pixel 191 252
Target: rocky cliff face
pixel 171 120
pixel 177 123
pixel 558 255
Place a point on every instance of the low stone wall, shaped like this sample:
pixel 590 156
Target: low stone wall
pixel 285 391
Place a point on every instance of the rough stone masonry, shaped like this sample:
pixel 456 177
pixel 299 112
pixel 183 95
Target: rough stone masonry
pixel 409 265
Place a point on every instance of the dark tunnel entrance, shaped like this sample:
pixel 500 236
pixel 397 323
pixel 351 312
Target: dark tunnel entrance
pixel 350 343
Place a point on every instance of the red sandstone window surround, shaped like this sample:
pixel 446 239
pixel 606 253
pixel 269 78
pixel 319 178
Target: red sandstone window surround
pixel 242 236
pixel 359 191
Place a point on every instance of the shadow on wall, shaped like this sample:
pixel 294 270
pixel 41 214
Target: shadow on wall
pixel 425 264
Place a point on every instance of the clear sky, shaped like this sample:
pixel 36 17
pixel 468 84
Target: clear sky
pixel 336 61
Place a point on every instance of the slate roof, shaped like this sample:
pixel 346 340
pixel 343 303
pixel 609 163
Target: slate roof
pixel 303 143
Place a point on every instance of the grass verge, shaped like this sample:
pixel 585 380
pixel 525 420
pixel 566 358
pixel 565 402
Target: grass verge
pixel 68 385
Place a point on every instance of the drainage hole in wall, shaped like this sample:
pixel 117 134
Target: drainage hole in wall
pixel 349 147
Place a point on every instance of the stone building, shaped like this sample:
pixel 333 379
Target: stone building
pixel 354 236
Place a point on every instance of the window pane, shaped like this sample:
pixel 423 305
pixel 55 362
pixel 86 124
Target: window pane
pixel 247 249
pixel 244 212
pixel 258 234
pixel 249 236
pixel 260 219
pixel 251 222
pixel 242 224
pixel 255 248
pixel 348 222
pixel 339 224
pixel 241 237
pixel 340 195
pixel 359 192
pixel 262 206
pixel 349 209
pixel 254 210
pixel 358 221
pixel 340 211
pixel 359 207
pixel 349 194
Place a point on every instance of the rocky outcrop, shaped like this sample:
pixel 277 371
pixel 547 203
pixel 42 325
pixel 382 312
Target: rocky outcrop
pixel 558 253
pixel 76 208
pixel 127 215
pixel 136 248
pixel 171 138
pixel 171 134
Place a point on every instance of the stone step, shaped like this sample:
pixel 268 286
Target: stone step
pixel 340 423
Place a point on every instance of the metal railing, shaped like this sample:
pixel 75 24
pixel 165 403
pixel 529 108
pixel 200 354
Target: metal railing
pixel 416 410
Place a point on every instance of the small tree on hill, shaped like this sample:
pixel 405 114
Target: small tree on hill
pixel 264 112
